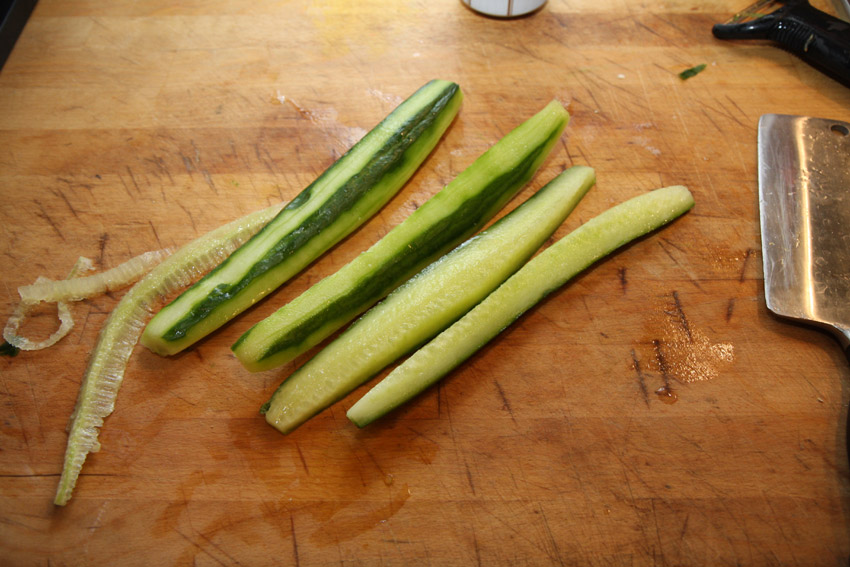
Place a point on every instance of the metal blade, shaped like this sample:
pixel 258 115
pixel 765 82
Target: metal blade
pixel 804 203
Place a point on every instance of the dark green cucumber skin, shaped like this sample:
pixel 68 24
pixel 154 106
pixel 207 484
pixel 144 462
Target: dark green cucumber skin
pixel 342 200
pixel 430 244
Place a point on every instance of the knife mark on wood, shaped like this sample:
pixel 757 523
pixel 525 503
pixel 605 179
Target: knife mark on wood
pixel 295 555
pixel 155 235
pixel 665 392
pixel 621 274
pixel 197 547
pixel 523 49
pixel 208 178
pixel 747 255
pixel 674 245
pixel 196 163
pixel 725 113
pixel 683 320
pixel 187 163
pixel 101 244
pixel 581 153
pixel 47 218
pixel 595 108
pixel 556 552
pixel 265 158
pixel 802 462
pixel 740 110
pixel 191 218
pixel 133 179
pixel 710 119
pixel 377 465
pixel 640 378
pixel 61 195
pixel 476 547
pixel 230 559
pixel 826 456
pixel 505 403
pixel 302 459
pixel 730 307
pixel 684 529
pixel 658 539
pixel 662 243
pixel 159 163
pixel 566 148
pixel 469 476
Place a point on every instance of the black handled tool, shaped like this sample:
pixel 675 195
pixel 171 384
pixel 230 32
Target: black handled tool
pixel 816 37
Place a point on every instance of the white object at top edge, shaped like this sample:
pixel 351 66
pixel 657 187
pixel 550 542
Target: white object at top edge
pixel 504 8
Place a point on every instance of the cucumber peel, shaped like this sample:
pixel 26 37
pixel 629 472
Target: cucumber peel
pixel 427 303
pixel 120 333
pixel 461 208
pixel 545 273
pixel 347 194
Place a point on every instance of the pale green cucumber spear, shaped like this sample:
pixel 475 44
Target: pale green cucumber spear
pixel 545 273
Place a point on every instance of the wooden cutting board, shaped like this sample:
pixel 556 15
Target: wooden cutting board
pixel 651 413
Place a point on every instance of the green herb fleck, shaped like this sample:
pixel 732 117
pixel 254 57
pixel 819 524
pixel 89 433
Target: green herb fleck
pixel 688 73
pixel 8 349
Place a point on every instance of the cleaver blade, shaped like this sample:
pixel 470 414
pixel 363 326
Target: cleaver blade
pixel 804 207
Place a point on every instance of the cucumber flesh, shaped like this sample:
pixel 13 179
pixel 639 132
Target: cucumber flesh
pixel 335 204
pixel 548 271
pixel 441 223
pixel 427 303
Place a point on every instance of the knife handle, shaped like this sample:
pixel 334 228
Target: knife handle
pixel 819 39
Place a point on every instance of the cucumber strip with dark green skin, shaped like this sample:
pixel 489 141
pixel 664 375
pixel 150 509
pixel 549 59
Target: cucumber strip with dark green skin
pixel 427 303
pixel 342 198
pixel 461 208
pixel 545 273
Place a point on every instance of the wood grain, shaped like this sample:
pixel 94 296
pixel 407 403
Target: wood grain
pixel 651 413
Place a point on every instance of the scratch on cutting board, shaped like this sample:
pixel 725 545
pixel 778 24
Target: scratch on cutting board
pixel 730 308
pixel 295 555
pixel 621 274
pixel 61 194
pixel 196 164
pixel 640 378
pixel 94 526
pixel 552 540
pixel 155 234
pixel 303 460
pixel 747 255
pixel 159 163
pixel 101 244
pixel 680 313
pixel 189 214
pixel 47 218
pixel 665 392
pixel 506 405
pixel 469 476
pixel 476 546
pixel 133 179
